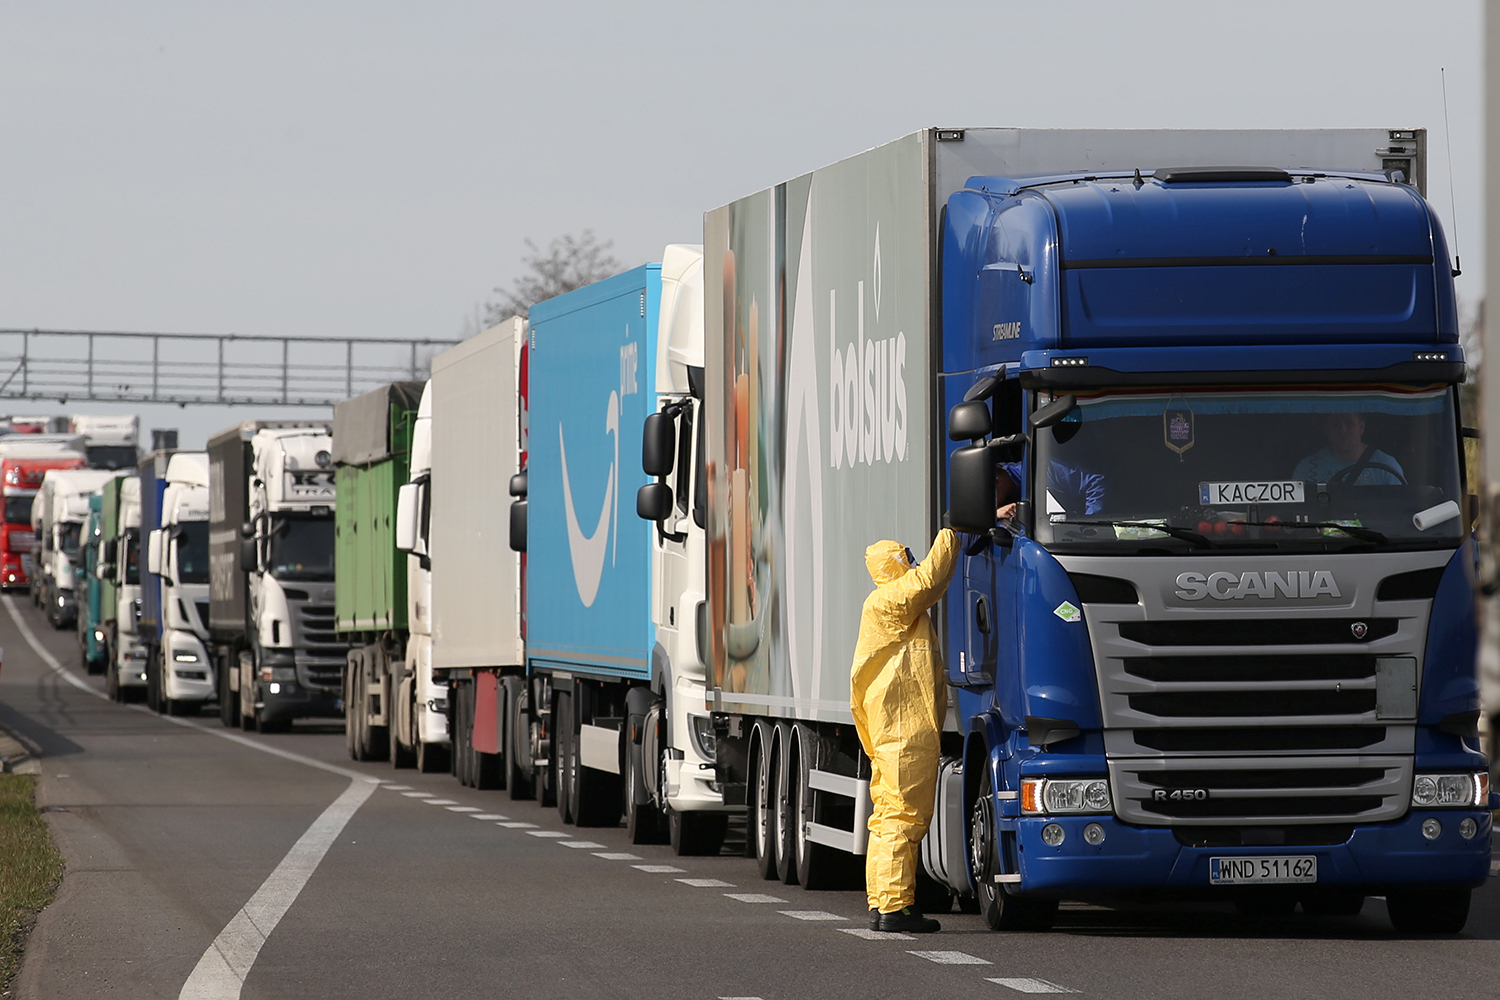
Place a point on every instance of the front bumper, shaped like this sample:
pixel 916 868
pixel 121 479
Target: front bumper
pixel 279 701
pixel 1376 856
pixel 131 662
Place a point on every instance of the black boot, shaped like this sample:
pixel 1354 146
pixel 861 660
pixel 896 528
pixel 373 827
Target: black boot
pixel 908 919
pixel 874 919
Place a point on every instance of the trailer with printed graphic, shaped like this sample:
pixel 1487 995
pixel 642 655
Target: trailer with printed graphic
pixel 1212 631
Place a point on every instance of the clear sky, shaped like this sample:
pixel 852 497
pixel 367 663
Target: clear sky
pixel 372 168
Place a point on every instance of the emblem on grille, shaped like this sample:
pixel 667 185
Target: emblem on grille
pixel 1360 630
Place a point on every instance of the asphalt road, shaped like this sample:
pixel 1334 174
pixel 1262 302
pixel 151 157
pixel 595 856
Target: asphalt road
pixel 197 856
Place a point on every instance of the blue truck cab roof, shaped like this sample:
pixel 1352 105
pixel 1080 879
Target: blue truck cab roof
pixel 1197 270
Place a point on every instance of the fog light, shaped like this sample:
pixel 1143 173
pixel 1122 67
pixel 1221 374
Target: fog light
pixel 276 689
pixel 1432 829
pixel 1052 835
pixel 142 676
pixel 1467 828
pixel 1093 834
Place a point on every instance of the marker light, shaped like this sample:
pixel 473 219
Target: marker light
pixel 1070 362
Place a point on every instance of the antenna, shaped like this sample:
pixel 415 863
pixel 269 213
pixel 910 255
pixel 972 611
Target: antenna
pixel 1452 195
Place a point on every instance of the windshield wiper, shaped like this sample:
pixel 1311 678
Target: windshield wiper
pixel 1353 530
pixel 1173 530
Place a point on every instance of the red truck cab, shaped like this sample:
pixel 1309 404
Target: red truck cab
pixel 20 479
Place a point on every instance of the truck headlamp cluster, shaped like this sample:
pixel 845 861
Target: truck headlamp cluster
pixel 1470 790
pixel 1065 796
pixel 184 656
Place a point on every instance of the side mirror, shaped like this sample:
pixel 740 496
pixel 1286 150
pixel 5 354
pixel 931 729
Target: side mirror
pixel 408 511
pixel 969 421
pixel 154 541
pixel 519 483
pixel 1054 411
pixel 658 445
pixel 518 526
pixel 971 489
pixel 653 502
pixel 249 558
pixel 1011 448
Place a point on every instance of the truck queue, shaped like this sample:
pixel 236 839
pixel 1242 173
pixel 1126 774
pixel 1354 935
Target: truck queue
pixel 1188 652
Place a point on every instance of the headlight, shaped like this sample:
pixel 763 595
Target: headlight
pixel 704 740
pixel 1451 791
pixel 184 657
pixel 1065 795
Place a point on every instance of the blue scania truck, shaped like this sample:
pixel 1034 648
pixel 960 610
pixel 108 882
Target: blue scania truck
pixel 1191 398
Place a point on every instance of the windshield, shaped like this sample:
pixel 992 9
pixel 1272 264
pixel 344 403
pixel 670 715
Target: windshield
pixel 1255 469
pixel 112 456
pixel 132 556
pixel 67 536
pixel 192 552
pixel 18 509
pixel 301 548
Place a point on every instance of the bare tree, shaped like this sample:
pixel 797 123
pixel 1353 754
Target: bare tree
pixel 569 262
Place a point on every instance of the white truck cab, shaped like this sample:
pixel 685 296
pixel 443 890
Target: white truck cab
pixel 59 511
pixel 177 552
pixel 129 651
pixel 420 694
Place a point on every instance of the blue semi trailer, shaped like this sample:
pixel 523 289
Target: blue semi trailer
pixel 1213 630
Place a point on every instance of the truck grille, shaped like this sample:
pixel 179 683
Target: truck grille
pixel 320 652
pixel 1309 790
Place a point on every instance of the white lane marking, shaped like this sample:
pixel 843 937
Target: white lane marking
pixel 810 915
pixel 869 935
pixel 617 856
pixel 396 788
pixel 739 998
pixel 582 844
pixel 706 883
pixel 488 816
pixel 1032 986
pixel 220 973
pixel 659 869
pixel 418 795
pixel 754 897
pixel 950 958
pixel 442 802
pixel 517 825
pixel 463 809
pixel 1495 867
pixel 48 658
pixel 545 833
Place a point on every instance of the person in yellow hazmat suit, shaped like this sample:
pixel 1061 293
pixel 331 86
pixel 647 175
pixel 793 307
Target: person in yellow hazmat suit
pixel 899 695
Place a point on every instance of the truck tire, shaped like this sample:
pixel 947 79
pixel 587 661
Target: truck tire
pixel 597 795
pixel 229 700
pixel 518 742
pixel 432 758
pixel 818 865
pixel 112 682
pixel 1438 911
pixel 403 755
pixel 644 822
pixel 697 833
pixel 153 684
pixel 784 822
pixel 564 754
pixel 460 735
pixel 760 829
pixel 1001 910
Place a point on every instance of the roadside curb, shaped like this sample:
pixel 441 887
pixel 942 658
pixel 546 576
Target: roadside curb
pixel 16 757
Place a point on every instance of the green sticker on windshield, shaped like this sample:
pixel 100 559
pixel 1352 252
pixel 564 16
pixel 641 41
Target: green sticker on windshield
pixel 1068 612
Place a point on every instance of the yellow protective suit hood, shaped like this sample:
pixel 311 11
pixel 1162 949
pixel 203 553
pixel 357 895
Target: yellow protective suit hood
pixel 899 695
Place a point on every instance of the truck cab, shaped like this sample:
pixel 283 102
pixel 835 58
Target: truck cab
pixel 296 660
pixel 127 675
pixel 91 645
pixel 58 514
pixel 1213 626
pixel 175 588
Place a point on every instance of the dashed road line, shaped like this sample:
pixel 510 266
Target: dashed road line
pixel 463 809
pixel 442 802
pixel 810 915
pixel 754 897
pixel 869 935
pixel 490 816
pixel 517 825
pixel 706 883
pixel 395 788
pixel 581 844
pixel 616 856
pixel 951 958
pixel 660 869
pixel 418 795
pixel 1031 986
pixel 545 833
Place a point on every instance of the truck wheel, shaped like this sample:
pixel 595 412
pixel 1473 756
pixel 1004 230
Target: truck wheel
pixel 112 682
pixel 460 736
pixel 564 754
pixel 1001 910
pixel 402 754
pixel 1440 911
pixel 697 833
pixel 518 743
pixel 761 821
pixel 432 758
pixel 817 864
pixel 786 786
pixel 153 684
pixel 644 823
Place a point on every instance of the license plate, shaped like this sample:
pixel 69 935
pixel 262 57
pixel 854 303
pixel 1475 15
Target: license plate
pixel 1219 494
pixel 1262 871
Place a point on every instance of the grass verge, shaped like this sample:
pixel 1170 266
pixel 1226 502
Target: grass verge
pixel 30 868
